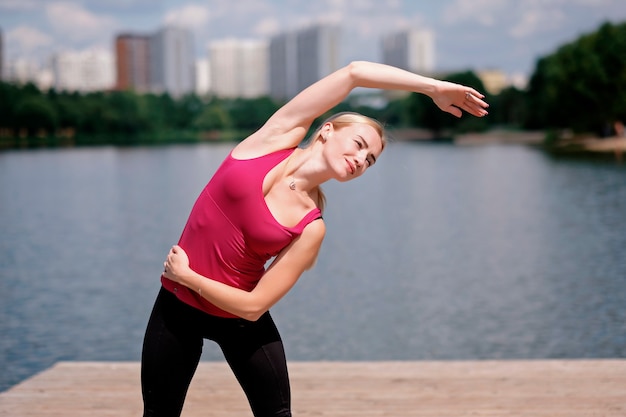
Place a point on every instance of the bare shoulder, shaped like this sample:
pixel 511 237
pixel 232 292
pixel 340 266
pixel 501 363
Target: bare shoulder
pixel 314 232
pixel 310 241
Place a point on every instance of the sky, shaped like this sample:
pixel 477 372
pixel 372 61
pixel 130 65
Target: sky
pixel 469 34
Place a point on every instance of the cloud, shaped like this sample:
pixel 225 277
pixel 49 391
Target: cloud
pixel 523 19
pixel 354 5
pixel 382 21
pixel 71 20
pixel 535 20
pixel 593 3
pixel 498 32
pixel 267 27
pixel 27 39
pixel 191 15
pixel 483 12
pixel 18 5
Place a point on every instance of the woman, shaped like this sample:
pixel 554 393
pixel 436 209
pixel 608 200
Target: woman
pixel 265 201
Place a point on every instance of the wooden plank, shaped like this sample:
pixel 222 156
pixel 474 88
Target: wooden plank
pixel 542 388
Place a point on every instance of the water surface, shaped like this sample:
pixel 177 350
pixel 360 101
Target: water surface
pixel 439 252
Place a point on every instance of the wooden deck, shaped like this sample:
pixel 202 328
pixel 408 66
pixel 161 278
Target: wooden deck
pixel 546 388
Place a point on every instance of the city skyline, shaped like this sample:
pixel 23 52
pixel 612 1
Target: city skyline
pixel 469 34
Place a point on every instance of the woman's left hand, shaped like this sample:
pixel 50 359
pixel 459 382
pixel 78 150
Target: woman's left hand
pixel 176 265
pixel 453 98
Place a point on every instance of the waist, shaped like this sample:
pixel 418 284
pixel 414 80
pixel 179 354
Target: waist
pixel 192 299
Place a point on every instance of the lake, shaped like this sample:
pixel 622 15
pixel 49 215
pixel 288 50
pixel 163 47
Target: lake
pixel 439 252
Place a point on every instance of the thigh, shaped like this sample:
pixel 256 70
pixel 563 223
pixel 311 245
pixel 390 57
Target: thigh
pixel 170 356
pixel 255 353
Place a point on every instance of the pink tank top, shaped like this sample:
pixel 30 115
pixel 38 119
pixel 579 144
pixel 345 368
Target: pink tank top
pixel 231 233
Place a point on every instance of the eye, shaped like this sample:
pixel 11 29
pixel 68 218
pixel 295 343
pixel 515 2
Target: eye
pixel 359 144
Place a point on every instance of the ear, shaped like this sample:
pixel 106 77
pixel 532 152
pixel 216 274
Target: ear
pixel 326 130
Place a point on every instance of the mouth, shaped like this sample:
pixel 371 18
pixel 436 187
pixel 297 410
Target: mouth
pixel 350 167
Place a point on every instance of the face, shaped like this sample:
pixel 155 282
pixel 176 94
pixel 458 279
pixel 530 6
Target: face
pixel 351 149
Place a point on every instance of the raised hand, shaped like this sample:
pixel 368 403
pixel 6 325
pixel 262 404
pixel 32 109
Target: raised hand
pixel 453 98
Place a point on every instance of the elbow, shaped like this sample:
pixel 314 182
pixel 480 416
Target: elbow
pixel 252 312
pixel 252 307
pixel 356 65
pixel 354 69
pixel 357 71
pixel 252 315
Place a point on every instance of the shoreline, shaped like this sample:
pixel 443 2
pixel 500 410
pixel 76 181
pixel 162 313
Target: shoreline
pixel 613 147
pixel 482 138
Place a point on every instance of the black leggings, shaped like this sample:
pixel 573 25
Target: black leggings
pixel 173 345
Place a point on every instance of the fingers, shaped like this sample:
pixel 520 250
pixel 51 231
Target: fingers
pixel 473 99
pixel 455 111
pixel 170 258
pixel 475 93
pixel 176 250
pixel 474 104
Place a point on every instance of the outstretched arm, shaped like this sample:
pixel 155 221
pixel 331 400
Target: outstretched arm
pixel 333 89
pixel 291 122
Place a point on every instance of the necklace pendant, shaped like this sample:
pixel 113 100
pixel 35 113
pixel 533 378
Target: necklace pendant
pixel 292 185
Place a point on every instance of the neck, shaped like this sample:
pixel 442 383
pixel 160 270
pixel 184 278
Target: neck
pixel 304 170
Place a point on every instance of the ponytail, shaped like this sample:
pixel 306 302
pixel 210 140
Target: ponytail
pixel 321 198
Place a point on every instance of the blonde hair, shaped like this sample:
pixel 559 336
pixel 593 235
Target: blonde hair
pixel 337 120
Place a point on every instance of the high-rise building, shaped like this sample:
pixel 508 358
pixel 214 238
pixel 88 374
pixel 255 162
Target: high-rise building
pixel 203 77
pixel 412 50
pixel 20 71
pixel 172 62
pixel 238 68
pixel 89 70
pixel 132 53
pixel 301 58
pixel 1 56
pixel 318 53
pixel 283 72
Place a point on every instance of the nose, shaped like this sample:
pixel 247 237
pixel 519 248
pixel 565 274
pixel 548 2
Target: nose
pixel 359 160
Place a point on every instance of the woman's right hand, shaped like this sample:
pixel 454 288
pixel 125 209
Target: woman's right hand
pixel 176 265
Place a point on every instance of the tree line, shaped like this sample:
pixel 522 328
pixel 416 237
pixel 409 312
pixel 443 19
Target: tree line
pixel 581 87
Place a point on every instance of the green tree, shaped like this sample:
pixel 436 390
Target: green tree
pixel 424 113
pixel 163 111
pixel 395 113
pixel 583 84
pixel 124 113
pixel 508 108
pixel 69 109
pixel 93 120
pixel 212 117
pixel 35 114
pixel 9 96
pixel 250 114
pixel 187 110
